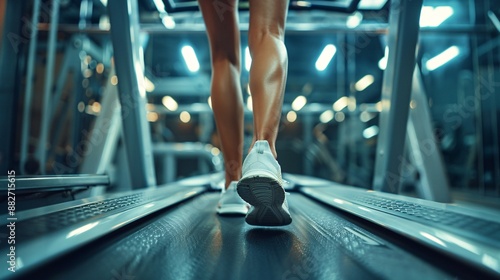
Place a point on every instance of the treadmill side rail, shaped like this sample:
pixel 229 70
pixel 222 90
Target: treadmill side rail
pixel 46 233
pixel 471 237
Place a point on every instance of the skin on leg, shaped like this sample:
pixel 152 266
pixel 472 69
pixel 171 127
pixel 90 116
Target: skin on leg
pixel 221 20
pixel 269 66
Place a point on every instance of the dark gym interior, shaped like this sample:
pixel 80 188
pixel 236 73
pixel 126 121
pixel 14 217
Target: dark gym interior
pixel 388 141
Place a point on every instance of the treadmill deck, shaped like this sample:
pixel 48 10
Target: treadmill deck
pixel 190 241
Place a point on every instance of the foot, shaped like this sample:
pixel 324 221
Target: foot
pixel 230 203
pixel 262 186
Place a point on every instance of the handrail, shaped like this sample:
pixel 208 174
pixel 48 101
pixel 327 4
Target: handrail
pixel 55 181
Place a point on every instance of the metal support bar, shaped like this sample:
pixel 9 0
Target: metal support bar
pixel 51 182
pixel 49 81
pixel 69 64
pixel 70 55
pixel 308 160
pixel 168 153
pixel 10 26
pixel 424 150
pixel 28 95
pixel 85 13
pixel 130 70
pixel 104 137
pixel 494 20
pixel 396 91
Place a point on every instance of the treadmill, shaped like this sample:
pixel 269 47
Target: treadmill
pixel 172 231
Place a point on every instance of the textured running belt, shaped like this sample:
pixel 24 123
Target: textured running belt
pixel 191 241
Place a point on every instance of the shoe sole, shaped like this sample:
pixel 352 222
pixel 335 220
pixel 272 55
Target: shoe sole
pixel 232 210
pixel 266 196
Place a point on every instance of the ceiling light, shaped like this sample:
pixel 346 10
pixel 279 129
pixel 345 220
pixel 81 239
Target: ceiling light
pixel 371 4
pixel 248 59
pixel 382 63
pixel 370 132
pixel 325 57
pixel 364 82
pixel 442 58
pixel 169 103
pixel 291 116
pixel 326 116
pixel 354 20
pixel 190 58
pixel 341 103
pixel 299 102
pixel 185 117
pixel 434 16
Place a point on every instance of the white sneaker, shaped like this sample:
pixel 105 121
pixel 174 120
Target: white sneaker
pixel 230 203
pixel 262 186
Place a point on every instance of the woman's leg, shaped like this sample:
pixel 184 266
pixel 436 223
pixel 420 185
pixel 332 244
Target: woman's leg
pixel 221 20
pixel 269 66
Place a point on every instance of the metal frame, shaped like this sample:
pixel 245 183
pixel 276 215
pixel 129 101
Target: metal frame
pixel 71 62
pixel 56 182
pixel 41 152
pixel 291 28
pixel 423 149
pixel 104 137
pixel 396 91
pixel 28 94
pixel 105 133
pixel 169 152
pixel 8 87
pixel 468 246
pixel 124 20
pixel 54 243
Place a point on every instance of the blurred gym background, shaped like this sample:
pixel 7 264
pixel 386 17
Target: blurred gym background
pixel 330 120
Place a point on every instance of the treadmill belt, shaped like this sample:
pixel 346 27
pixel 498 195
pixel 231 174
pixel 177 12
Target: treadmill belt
pixel 190 241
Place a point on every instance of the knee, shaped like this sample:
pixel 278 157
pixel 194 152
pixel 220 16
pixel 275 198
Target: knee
pixel 226 66
pixel 224 60
pixel 258 36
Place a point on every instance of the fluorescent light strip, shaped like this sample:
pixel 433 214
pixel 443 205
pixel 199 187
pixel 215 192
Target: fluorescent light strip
pixel 354 20
pixel 326 116
pixel 248 59
pixel 150 87
pixel 370 132
pixel 190 58
pixel 371 4
pixel 169 103
pixel 382 63
pixel 434 16
pixel 299 102
pixel 364 82
pixel 341 103
pixel 159 6
pixel 250 103
pixel 325 57
pixel 209 101
pixel 442 58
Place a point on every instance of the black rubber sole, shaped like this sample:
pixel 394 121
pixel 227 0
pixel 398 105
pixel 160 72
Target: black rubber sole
pixel 267 197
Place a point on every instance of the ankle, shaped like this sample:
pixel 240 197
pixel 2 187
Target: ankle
pixel 272 147
pixel 229 181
